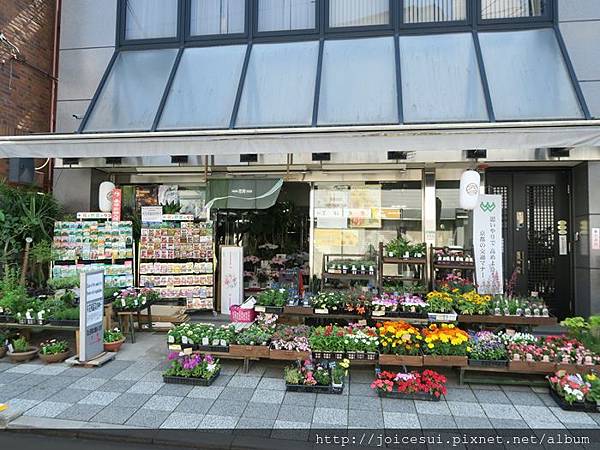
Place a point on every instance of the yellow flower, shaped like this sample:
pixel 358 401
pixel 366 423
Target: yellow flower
pixel 430 345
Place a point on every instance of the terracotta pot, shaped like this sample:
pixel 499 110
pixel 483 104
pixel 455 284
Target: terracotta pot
pixel 113 346
pixel 23 356
pixel 57 358
pixel 2 352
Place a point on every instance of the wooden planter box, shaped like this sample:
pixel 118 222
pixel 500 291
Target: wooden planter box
pixel 249 351
pixel 578 368
pixel 487 363
pixel 191 381
pixel 532 366
pixel 577 406
pixel 416 396
pixel 445 361
pixel 400 360
pixel 288 355
pixel 269 309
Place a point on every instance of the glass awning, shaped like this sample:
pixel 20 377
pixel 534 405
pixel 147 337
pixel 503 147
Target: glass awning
pixel 415 79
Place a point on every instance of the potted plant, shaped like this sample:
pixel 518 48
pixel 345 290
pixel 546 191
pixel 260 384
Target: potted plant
pixel 339 371
pixel 192 369
pixel 445 345
pixel 251 342
pixel 54 351
pixel 272 301
pixel 440 306
pixel 113 340
pixel 3 340
pixel 487 350
pixel 310 377
pixel 571 392
pixel 21 351
pixel 427 385
pixel 400 344
pixel 290 343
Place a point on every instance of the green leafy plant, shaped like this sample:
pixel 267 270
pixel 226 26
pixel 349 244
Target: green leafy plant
pixel 114 335
pixel 171 208
pixel 273 297
pixel 20 345
pixel 63 283
pixel 322 376
pixel 292 375
pixel 53 347
pixel 253 335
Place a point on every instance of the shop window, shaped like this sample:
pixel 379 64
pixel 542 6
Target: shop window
pixel 204 89
pixel 512 9
pixel 454 224
pixel 130 97
pixel 536 83
pixel 441 66
pixel 286 15
pixel 429 11
pixel 214 17
pixel 279 86
pixel 352 219
pixel 358 13
pixel 358 82
pixel 151 19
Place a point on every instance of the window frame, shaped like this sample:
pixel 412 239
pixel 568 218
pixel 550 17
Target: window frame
pixel 308 32
pixel 122 28
pixel 450 25
pixel 549 17
pixel 389 27
pixel 217 38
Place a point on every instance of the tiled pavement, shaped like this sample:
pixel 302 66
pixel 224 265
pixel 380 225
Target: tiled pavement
pixel 129 392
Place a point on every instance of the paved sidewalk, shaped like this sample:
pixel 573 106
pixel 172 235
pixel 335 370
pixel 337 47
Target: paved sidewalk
pixel 129 393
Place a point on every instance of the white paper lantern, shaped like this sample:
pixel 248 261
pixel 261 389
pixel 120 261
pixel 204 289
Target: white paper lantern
pixel 469 189
pixel 105 196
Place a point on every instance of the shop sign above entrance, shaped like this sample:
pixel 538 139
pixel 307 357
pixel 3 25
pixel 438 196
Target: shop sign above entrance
pixel 487 244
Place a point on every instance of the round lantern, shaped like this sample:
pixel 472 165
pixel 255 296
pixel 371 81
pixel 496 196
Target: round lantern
pixel 469 189
pixel 105 196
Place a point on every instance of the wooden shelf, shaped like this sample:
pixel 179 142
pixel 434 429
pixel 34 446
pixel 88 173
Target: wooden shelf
pixel 414 261
pixel 508 320
pixel 454 266
pixel 348 276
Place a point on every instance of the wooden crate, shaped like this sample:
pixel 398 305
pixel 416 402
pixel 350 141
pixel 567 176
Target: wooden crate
pixel 249 351
pixel 445 361
pixel 400 360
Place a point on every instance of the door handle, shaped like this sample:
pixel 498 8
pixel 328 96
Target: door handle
pixel 519 261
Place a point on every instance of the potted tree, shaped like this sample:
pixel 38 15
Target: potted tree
pixel 21 351
pixel 113 339
pixel 54 351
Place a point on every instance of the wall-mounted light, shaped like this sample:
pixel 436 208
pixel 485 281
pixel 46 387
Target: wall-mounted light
pixel 476 154
pixel 397 156
pixel 249 158
pixel 179 159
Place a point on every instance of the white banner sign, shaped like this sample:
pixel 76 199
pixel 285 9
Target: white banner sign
pixel 487 244
pixel 152 214
pixel 232 277
pixel 91 311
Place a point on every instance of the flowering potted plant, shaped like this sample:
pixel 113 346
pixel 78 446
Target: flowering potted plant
pixel 360 342
pixel 487 350
pixel 309 376
pixel 471 303
pixel 113 340
pixel 400 343
pixel 21 351
pixel 426 385
pixel 290 343
pixel 54 351
pixel 328 302
pixel 594 381
pixel 339 371
pixel 445 345
pixel 571 392
pixel 440 306
pixel 251 342
pixel 327 340
pixel 192 369
pixel 131 299
pixel 571 355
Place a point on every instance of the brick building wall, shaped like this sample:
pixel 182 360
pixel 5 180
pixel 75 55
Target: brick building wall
pixel 26 83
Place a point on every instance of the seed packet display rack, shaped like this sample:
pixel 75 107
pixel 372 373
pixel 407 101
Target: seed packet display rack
pixel 162 266
pixel 78 245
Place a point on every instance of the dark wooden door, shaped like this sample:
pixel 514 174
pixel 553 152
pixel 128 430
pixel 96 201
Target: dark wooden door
pixel 537 233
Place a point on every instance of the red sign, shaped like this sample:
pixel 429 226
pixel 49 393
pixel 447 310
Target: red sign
pixel 117 196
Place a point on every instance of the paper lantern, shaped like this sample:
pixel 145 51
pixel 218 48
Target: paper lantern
pixel 469 189
pixel 105 196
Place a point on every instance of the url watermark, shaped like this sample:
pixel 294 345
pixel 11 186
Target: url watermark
pixel 456 440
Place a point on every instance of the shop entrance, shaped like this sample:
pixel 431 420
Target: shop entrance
pixel 536 233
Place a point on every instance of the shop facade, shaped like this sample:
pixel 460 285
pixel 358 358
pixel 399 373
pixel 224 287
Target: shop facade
pixel 371 110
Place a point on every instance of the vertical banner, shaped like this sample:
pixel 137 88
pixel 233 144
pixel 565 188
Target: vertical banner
pixel 91 310
pixel 232 277
pixel 487 244
pixel 117 201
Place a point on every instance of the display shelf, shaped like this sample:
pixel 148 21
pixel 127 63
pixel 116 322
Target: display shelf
pixel 177 255
pixel 420 265
pixel 509 320
pixel 450 259
pixel 348 276
pixel 412 261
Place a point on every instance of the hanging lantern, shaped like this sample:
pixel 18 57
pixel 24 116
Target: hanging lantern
pixel 469 189
pixel 105 196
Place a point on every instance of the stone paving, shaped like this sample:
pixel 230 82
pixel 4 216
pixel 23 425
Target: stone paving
pixel 129 392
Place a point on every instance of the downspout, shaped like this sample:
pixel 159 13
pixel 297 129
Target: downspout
pixel 54 96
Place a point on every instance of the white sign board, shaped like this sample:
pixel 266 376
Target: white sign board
pixel 487 244
pixel 91 311
pixel 152 214
pixel 232 277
